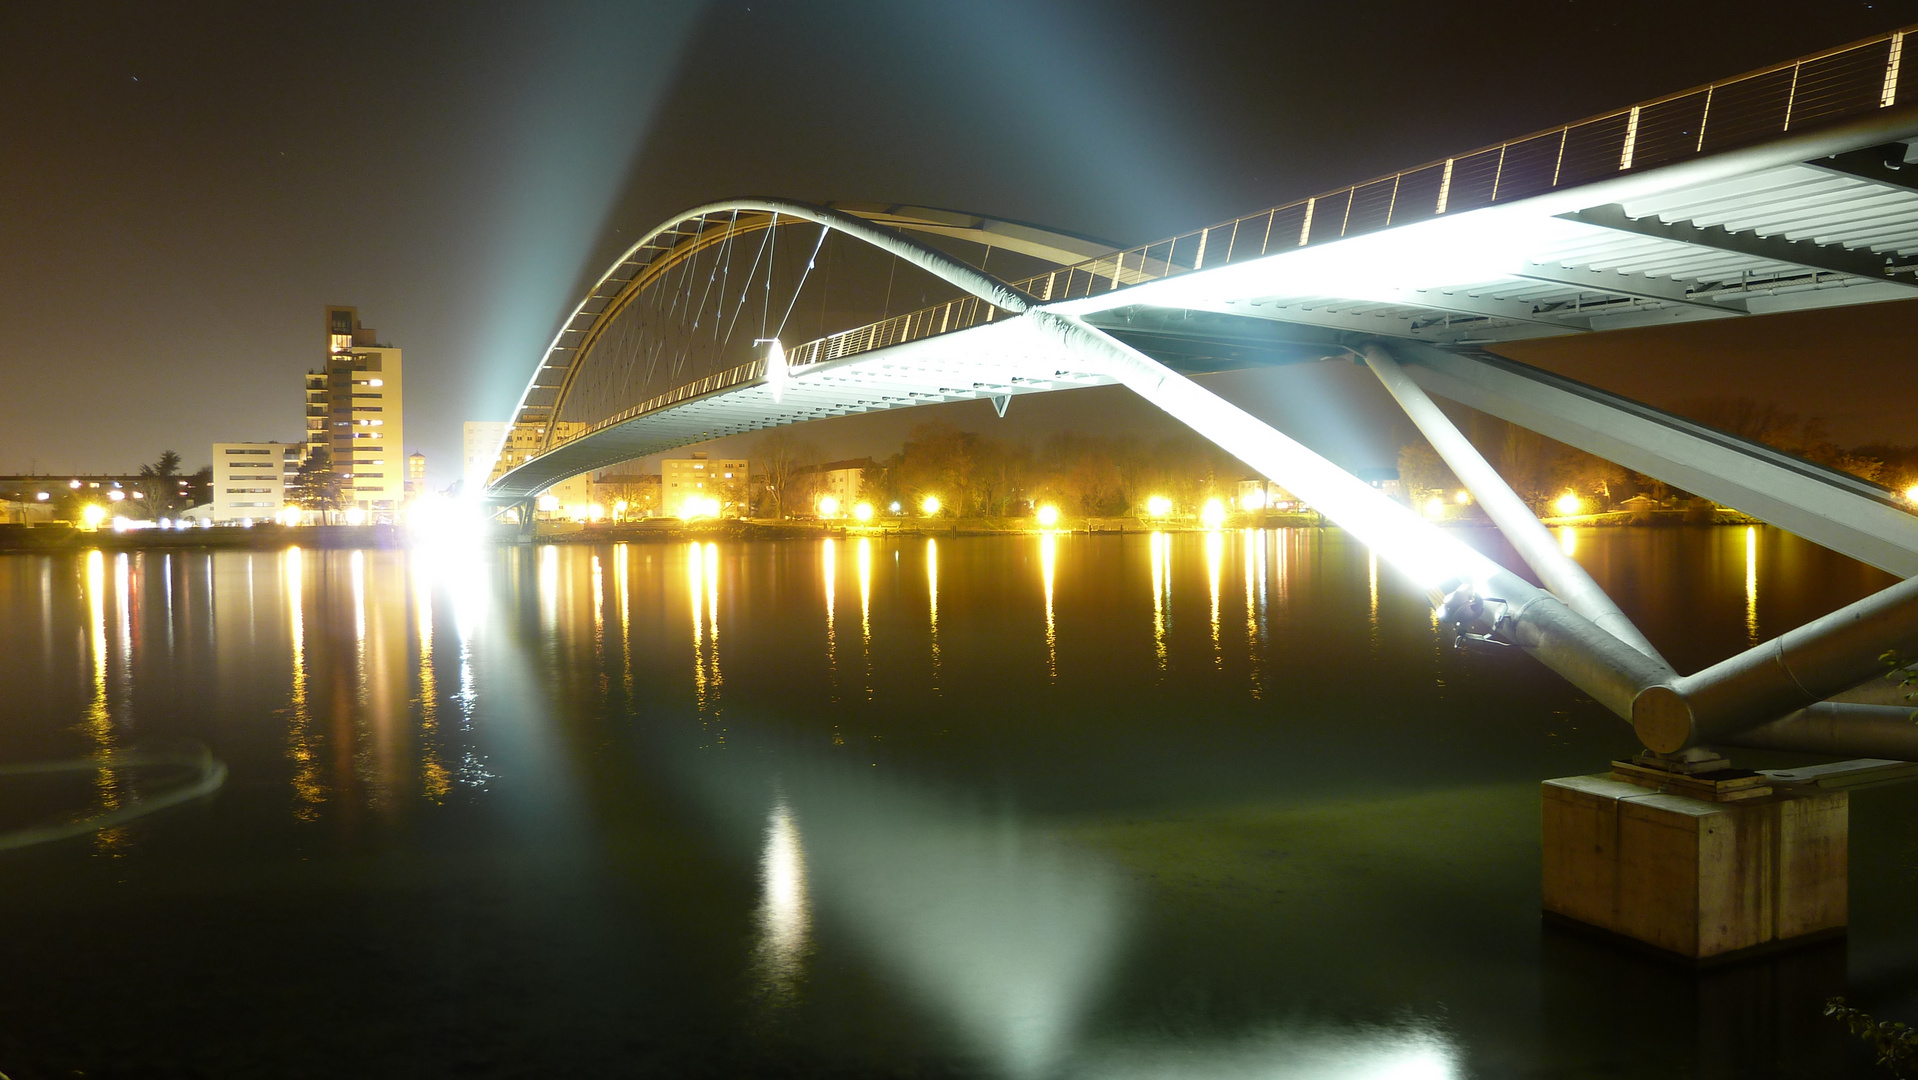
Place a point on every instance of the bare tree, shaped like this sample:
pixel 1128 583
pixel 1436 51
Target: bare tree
pixel 782 454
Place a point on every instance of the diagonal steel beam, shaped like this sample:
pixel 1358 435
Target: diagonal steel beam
pixel 1822 505
pixel 1809 254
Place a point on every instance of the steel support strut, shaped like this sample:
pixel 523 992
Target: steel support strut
pixel 1527 535
pixel 1471 591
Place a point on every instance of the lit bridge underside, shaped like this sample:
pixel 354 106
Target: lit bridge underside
pixel 1787 189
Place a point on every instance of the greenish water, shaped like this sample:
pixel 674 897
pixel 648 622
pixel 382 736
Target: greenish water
pixel 1193 805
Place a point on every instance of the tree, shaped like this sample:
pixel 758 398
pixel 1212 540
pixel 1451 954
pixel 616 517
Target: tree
pixel 781 454
pixel 1424 475
pixel 160 484
pixel 314 486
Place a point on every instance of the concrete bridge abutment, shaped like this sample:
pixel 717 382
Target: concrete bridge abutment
pixel 1706 865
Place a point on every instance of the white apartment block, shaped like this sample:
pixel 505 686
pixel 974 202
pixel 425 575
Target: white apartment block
pixel 703 477
pixel 249 479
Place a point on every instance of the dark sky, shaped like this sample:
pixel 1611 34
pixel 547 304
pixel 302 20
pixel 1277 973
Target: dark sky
pixel 184 186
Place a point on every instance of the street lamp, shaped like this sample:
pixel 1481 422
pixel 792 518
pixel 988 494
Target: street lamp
pixel 1048 516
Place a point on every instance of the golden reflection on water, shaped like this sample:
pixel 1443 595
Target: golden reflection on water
pixel 435 781
pixel 1048 572
pixel 1214 559
pixel 696 592
pixel 932 605
pixel 98 721
pixel 621 583
pixel 599 614
pixel 864 563
pixel 309 790
pixel 1161 594
pixel 1254 541
pixel 1567 540
pixel 1751 584
pixel 829 574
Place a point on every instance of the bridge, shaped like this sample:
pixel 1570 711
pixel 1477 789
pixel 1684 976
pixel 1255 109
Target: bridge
pixel 1790 188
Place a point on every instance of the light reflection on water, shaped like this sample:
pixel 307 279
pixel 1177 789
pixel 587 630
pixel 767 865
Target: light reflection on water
pixel 952 840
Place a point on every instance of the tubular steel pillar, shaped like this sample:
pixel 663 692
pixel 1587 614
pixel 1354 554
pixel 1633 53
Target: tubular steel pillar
pixel 1528 536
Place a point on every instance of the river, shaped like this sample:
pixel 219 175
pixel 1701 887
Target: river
pixel 1197 805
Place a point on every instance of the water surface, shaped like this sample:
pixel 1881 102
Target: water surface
pixel 1195 805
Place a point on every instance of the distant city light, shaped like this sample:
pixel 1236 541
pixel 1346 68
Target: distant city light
pixel 828 506
pixel 116 496
pixel 42 496
pixel 1048 516
pixel 1463 498
pixel 895 506
pixel 863 511
pixel 121 523
pixel 1435 508
pixel 619 507
pixel 73 483
pixel 1213 515
pixel 356 516
pixel 94 514
pixel 930 506
pixel 1910 493
pixel 290 516
pixel 1568 504
pixel 548 503
pixel 1254 499
pixel 699 506
pixel 1158 506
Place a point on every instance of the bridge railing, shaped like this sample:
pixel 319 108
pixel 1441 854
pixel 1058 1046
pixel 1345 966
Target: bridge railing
pixel 1814 91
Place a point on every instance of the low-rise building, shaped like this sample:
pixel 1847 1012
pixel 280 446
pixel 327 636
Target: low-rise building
pixel 249 479
pixel 840 481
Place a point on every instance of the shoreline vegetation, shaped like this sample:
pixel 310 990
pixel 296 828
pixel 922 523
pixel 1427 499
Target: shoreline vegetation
pixel 267 537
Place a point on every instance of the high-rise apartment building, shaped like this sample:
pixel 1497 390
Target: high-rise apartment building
pixel 365 426
pixel 249 479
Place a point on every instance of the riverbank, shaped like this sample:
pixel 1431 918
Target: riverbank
pixel 274 537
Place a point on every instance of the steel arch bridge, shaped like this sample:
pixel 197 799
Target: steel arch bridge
pixel 1789 188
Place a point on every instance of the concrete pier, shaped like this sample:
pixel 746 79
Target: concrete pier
pixel 1722 870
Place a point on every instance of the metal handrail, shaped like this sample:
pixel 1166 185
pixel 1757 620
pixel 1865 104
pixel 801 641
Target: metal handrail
pixel 1820 89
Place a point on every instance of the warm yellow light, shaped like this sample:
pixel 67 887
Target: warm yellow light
pixel 596 512
pixel 1435 508
pixel 116 496
pixel 1912 493
pixel 548 503
pixel 356 516
pixel 930 505
pixel 94 514
pixel 698 506
pixel 619 507
pixel 1213 514
pixel 1568 504
pixel 1254 499
pixel 290 516
pixel 863 511
pixel 828 506
pixel 1048 516
pixel 1158 506
pixel 1463 498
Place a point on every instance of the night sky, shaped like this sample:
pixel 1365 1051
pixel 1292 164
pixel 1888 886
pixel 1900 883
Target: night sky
pixel 184 186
